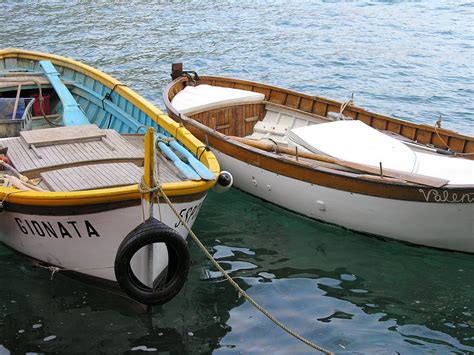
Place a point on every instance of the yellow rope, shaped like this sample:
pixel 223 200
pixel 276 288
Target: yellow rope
pixel 237 287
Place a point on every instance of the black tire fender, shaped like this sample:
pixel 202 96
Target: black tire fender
pixel 149 232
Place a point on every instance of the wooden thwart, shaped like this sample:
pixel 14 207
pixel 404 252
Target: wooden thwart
pixel 62 135
pixel 410 177
pixel 13 80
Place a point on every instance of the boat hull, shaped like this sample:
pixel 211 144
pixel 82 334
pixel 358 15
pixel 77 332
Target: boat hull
pixel 88 242
pixel 81 226
pixel 440 225
pixel 250 140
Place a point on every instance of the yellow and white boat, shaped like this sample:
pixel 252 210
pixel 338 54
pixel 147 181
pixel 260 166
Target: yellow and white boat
pixel 72 191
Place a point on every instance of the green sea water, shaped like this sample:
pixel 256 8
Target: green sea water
pixel 345 291
pixel 342 290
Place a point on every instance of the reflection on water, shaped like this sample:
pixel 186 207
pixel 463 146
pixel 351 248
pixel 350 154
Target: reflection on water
pixel 345 288
pixel 342 290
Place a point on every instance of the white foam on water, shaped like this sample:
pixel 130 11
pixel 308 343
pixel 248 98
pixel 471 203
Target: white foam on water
pixel 49 337
pixel 143 348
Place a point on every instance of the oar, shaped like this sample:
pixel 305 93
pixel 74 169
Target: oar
pixel 72 113
pixel 200 168
pixel 415 178
pixel 185 169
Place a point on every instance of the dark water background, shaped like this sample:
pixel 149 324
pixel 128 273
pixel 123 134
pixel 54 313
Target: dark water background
pixel 345 291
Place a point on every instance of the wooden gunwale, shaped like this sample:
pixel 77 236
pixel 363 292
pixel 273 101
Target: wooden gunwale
pixel 314 174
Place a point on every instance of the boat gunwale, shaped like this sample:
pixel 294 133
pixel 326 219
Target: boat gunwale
pixel 48 198
pixel 394 189
pixel 212 79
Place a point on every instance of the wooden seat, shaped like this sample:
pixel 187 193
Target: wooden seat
pixel 278 122
pixel 62 135
pixel 89 177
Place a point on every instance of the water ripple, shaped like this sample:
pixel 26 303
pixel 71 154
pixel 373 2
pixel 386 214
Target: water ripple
pixel 347 292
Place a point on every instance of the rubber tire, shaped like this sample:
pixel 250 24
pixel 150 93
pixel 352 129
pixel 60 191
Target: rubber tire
pixel 152 231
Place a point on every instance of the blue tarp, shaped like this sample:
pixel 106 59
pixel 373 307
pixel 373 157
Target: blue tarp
pixel 6 108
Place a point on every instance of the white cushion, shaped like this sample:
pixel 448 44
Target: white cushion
pixel 195 99
pixel 356 142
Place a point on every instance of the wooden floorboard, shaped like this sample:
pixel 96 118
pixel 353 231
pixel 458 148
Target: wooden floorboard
pixel 31 162
pixel 80 166
pixel 89 177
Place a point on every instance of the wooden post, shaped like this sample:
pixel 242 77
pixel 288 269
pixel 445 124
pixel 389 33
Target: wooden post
pixel 148 176
pixel 176 70
pixel 17 99
pixel 149 162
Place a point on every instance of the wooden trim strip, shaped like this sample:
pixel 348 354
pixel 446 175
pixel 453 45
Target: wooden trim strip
pixel 405 128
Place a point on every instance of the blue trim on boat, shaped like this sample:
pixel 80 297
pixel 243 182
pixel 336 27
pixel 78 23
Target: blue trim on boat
pixel 120 117
pixel 72 113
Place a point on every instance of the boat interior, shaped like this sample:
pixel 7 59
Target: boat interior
pixel 248 115
pixel 48 155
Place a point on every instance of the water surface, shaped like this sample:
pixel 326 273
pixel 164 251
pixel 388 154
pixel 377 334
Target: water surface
pixel 347 292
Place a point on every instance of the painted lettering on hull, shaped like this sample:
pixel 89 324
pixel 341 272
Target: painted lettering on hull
pixel 446 197
pixel 68 229
pixel 188 214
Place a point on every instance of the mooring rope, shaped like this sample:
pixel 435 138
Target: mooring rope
pixel 236 286
pixel 344 106
pixel 436 126
pixel 8 194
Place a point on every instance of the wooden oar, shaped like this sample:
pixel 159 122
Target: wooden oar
pixel 199 167
pixel 183 167
pixel 401 175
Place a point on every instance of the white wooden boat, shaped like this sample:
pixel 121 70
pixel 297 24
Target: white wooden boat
pixel 78 205
pixel 334 161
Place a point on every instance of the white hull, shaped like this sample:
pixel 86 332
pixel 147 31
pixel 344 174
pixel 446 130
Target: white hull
pixel 440 225
pixel 88 243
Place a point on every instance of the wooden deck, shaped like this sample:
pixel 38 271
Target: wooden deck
pixel 94 176
pixel 31 161
pixel 111 160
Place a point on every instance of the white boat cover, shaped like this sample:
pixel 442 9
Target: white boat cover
pixel 195 99
pixel 356 142
pixel 457 170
